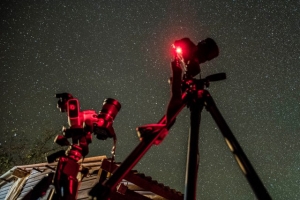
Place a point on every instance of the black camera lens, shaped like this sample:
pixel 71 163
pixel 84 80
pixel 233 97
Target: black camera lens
pixel 101 133
pixel 109 109
pixel 103 128
pixel 207 50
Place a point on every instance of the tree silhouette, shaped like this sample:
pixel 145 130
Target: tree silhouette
pixel 21 150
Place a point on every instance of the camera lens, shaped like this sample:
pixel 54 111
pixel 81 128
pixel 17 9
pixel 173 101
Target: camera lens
pixel 103 128
pixel 207 50
pixel 110 109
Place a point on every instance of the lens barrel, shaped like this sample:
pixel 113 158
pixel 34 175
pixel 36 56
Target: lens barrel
pixel 103 129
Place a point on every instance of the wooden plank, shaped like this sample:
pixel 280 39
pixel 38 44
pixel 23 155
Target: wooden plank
pixel 90 177
pixel 129 195
pixel 87 184
pixel 84 198
pixel 145 182
pixel 83 194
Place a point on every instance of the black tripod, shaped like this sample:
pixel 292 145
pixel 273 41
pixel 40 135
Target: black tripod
pixel 189 92
pixel 201 98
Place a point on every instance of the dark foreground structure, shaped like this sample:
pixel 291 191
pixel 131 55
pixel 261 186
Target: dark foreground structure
pixel 34 182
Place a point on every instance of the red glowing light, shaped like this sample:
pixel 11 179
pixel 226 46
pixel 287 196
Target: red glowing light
pixel 178 50
pixel 72 107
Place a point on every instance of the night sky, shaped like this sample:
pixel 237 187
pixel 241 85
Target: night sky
pixel 122 50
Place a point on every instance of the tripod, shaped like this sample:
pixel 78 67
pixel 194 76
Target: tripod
pixel 189 92
pixel 201 98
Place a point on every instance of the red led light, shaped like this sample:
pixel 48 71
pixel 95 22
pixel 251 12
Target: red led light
pixel 178 50
pixel 72 107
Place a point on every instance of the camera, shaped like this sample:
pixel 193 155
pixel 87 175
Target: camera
pixel 193 55
pixel 100 124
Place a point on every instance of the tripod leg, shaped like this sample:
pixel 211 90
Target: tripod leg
pixel 193 152
pixel 241 158
pixel 102 190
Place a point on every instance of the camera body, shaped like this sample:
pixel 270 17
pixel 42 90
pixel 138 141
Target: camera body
pixel 193 55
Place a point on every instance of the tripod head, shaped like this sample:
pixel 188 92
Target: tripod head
pixel 188 57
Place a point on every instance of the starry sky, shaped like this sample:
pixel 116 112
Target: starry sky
pixel 122 49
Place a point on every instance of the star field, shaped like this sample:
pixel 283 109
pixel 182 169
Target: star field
pixel 122 50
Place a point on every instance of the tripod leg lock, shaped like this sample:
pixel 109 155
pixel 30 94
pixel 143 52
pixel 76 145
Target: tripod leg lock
pixel 150 131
